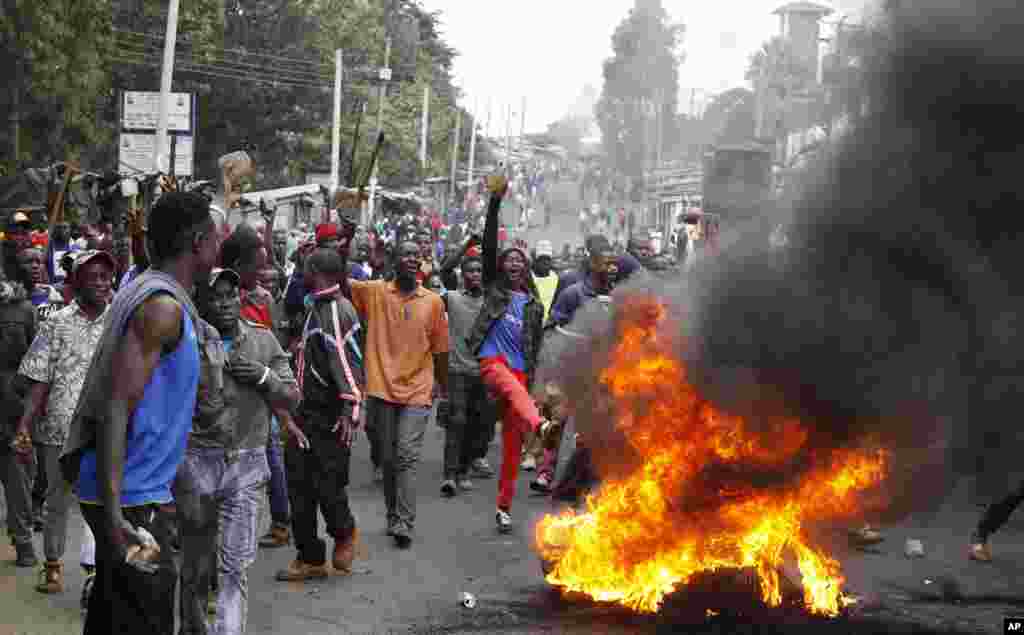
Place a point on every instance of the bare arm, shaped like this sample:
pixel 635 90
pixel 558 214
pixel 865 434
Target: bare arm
pixel 153 328
pixel 37 393
pixel 441 371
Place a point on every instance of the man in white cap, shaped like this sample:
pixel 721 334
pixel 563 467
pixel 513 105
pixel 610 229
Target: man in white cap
pixel 545 279
pixel 55 368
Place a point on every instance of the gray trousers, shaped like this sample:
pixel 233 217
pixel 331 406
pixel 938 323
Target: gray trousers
pixel 59 499
pixel 218 492
pixel 399 430
pixel 17 481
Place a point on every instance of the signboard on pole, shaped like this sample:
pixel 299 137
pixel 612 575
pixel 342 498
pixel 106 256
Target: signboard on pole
pixel 140 111
pixel 135 154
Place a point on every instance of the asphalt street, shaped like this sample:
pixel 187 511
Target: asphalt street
pixel 458 550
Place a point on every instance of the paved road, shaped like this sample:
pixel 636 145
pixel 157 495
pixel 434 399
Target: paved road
pixel 457 549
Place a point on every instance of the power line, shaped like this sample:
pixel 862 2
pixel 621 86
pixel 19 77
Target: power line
pixel 136 48
pixel 187 68
pixel 232 67
pixel 159 38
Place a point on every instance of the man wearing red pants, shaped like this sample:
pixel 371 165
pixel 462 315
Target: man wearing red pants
pixel 506 337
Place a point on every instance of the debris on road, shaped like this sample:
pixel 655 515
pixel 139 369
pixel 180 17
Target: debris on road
pixel 913 548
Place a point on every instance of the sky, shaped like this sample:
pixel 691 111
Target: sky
pixel 548 50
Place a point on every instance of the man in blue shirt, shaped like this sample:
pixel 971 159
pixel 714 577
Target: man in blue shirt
pixel 129 431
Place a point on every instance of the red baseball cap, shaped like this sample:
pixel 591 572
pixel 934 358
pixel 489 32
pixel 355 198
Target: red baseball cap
pixel 326 231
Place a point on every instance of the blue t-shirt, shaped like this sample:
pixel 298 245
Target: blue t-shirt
pixel 158 432
pixel 506 335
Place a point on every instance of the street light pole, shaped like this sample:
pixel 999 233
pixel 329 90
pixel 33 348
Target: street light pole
pixel 336 126
pixel 380 124
pixel 472 154
pixel 166 75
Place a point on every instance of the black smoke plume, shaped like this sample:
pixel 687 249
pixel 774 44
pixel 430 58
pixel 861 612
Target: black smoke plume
pixel 895 314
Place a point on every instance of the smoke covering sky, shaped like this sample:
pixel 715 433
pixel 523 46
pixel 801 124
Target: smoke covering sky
pixel 548 50
pixel 896 315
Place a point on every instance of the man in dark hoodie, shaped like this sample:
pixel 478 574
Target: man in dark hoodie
pixel 331 377
pixel 17 462
pixel 506 338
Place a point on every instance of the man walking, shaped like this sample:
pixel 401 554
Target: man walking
pixel 471 418
pixel 129 431
pixel 221 483
pixel 406 353
pixel 55 368
pixel 18 323
pixel 330 367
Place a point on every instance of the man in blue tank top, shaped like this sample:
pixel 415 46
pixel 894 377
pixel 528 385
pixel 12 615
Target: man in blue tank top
pixel 129 431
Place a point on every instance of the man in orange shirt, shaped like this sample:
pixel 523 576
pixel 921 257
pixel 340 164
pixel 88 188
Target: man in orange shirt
pixel 406 356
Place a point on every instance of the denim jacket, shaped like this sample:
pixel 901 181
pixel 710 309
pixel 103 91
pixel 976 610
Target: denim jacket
pixel 497 299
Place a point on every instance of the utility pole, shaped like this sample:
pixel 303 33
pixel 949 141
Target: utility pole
pixel 336 127
pixel 487 126
pixel 424 126
pixel 522 126
pixel 166 75
pixel 472 155
pixel 380 124
pixel 455 153
pixel 508 141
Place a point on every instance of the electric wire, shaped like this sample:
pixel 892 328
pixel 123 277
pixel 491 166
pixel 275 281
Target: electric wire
pixel 234 70
pixel 135 47
pixel 294 60
pixel 186 67
pixel 243 67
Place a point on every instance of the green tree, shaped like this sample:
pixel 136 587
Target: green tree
pixel 730 117
pixel 640 79
pixel 568 133
pixel 55 55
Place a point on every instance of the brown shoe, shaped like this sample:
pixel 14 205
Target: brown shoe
pixel 866 536
pixel 980 552
pixel 345 552
pixel 51 577
pixel 278 536
pixel 299 571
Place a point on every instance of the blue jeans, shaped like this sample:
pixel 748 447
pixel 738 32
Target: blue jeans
pixel 217 491
pixel 279 510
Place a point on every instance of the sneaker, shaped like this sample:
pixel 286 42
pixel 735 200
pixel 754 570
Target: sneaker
pixel 529 464
pixel 299 571
pixel 482 469
pixel 278 536
pixel 51 577
pixel 87 591
pixel 866 536
pixel 378 475
pixel 402 536
pixel 345 552
pixel 26 555
pixel 448 488
pixel 541 484
pixel 980 552
pixel 504 521
pixel 464 484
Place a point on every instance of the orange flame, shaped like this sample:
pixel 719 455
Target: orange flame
pixel 636 543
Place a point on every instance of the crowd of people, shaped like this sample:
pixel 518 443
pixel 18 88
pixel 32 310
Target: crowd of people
pixel 177 380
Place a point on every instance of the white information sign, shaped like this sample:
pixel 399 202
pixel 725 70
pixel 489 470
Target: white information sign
pixel 135 154
pixel 141 110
